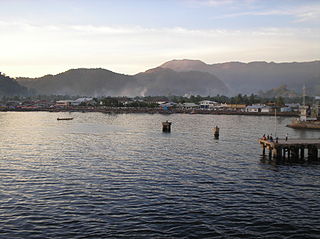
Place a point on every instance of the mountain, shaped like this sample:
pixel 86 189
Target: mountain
pixel 183 77
pixel 89 82
pixel 101 82
pixel 254 76
pixel 161 81
pixel 9 87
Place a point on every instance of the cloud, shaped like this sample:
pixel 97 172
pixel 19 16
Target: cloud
pixel 218 3
pixel 300 13
pixel 33 50
pixel 211 3
pixel 307 13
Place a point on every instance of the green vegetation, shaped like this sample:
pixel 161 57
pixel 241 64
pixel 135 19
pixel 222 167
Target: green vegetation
pixel 9 87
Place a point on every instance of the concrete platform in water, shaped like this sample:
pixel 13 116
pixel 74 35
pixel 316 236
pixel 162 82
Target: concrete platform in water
pixel 292 149
pixel 296 124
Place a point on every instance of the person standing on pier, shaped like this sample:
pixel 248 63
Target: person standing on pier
pixel 287 137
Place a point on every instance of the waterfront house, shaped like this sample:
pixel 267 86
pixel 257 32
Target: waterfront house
pixel 235 107
pixel 189 106
pixel 208 104
pixel 63 103
pixel 258 108
pixel 286 109
pixel 168 105
pixel 293 107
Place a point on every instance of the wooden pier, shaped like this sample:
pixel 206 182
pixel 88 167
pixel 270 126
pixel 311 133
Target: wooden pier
pixel 292 149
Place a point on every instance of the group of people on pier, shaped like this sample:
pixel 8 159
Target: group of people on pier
pixel 270 138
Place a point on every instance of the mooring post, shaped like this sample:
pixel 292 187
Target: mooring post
pixel 166 127
pixel 216 132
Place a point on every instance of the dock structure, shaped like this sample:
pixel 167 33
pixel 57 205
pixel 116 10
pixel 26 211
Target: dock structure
pixel 292 149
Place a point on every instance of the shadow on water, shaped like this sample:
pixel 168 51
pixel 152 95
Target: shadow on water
pixel 264 159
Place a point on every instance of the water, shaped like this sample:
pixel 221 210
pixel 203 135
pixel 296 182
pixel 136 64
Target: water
pixel 105 175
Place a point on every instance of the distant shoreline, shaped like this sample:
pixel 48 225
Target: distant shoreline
pixel 129 110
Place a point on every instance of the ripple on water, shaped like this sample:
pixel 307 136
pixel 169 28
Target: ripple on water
pixel 105 176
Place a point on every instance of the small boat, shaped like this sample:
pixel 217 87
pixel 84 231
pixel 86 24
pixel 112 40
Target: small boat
pixel 65 118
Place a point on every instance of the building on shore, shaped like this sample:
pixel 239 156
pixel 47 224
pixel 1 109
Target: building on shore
pixel 235 107
pixel 258 108
pixel 188 106
pixel 208 104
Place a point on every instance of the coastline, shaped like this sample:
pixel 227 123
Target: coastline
pixel 129 110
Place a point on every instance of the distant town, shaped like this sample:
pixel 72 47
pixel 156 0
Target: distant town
pixel 240 104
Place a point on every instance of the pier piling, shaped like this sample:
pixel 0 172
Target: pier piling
pixel 216 132
pixel 166 127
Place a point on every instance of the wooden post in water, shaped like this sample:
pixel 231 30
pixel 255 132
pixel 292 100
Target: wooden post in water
pixel 310 152
pixel 216 132
pixel 289 153
pixel 166 127
pixel 314 153
pixel 279 153
pixel 270 153
pixel 302 152
pixel 274 153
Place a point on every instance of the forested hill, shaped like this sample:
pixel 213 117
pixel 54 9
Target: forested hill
pixel 10 87
pixel 82 81
pixel 102 82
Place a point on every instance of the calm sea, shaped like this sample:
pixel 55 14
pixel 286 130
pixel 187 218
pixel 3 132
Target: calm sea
pixel 106 175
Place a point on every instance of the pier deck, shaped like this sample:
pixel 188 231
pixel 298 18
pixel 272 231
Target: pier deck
pixel 292 149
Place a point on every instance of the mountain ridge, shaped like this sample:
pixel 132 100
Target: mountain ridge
pixel 99 82
pixel 185 77
pixel 169 82
pixel 257 75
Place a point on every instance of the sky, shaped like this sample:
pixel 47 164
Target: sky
pixel 39 37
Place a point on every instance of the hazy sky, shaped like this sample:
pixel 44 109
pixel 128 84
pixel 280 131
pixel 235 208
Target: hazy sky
pixel 128 36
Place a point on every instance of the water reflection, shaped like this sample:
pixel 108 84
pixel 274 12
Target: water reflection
pixel 104 175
